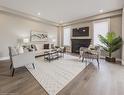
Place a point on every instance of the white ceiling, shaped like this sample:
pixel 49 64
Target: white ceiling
pixel 63 10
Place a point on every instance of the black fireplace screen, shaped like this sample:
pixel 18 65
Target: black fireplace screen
pixel 77 43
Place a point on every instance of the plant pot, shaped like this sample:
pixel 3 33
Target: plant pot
pixel 110 59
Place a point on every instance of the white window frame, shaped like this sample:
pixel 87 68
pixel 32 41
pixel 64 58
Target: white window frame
pixel 103 20
pixel 69 37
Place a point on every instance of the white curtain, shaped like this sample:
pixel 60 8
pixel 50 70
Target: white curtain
pixel 67 36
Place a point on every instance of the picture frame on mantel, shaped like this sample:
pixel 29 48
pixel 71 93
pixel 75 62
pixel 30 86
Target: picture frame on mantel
pixel 38 36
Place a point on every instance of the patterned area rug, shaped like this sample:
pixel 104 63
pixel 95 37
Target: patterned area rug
pixel 55 75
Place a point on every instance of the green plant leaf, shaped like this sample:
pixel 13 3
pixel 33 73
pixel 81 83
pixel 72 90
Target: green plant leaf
pixel 111 42
pixel 116 47
pixel 104 40
pixel 116 41
pixel 105 48
pixel 110 36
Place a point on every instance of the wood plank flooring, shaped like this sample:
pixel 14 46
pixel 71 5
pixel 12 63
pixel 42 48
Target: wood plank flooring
pixel 108 80
pixel 23 83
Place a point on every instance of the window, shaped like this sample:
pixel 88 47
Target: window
pixel 67 35
pixel 100 28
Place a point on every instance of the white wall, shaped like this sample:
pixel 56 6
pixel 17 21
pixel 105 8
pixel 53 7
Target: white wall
pixel 116 26
pixel 123 36
pixel 14 27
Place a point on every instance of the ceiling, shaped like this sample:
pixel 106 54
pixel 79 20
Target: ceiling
pixel 61 11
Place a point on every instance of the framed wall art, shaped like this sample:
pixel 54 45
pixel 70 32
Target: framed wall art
pixel 37 36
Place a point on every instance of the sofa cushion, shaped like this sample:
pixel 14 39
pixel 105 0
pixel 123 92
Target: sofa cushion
pixel 39 46
pixel 46 46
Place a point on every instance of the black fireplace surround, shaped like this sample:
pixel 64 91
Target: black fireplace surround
pixel 77 43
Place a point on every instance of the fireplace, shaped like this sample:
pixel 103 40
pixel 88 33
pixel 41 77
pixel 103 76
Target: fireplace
pixel 77 43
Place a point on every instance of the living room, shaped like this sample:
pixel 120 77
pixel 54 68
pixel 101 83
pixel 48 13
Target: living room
pixel 58 50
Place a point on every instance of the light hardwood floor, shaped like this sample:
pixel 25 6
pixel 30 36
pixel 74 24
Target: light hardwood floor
pixel 108 80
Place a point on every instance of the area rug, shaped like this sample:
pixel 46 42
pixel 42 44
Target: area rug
pixel 55 75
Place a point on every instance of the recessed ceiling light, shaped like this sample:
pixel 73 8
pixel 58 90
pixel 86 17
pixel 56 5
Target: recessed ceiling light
pixel 38 14
pixel 101 11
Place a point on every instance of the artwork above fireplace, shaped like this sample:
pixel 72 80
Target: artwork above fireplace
pixel 80 32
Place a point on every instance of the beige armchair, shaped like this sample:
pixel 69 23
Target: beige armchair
pixel 19 60
pixel 90 53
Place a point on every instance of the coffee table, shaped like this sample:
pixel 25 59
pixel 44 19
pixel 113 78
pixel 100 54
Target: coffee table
pixel 52 54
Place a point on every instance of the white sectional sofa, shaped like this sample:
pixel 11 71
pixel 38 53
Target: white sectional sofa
pixel 40 48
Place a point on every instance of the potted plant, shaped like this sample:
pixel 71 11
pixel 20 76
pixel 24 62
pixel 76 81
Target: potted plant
pixel 111 42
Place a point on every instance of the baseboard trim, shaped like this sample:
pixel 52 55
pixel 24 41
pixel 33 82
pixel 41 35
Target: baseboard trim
pixel 122 62
pixel 4 58
pixel 118 59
